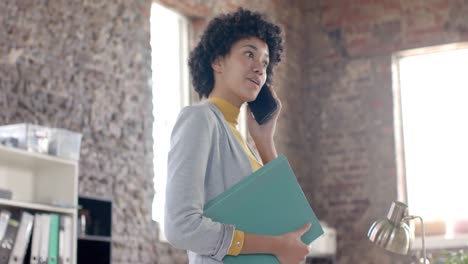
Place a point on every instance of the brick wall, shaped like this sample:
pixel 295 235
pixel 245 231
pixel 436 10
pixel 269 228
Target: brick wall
pixel 341 132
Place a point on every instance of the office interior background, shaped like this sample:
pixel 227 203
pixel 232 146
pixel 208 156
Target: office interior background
pixel 86 66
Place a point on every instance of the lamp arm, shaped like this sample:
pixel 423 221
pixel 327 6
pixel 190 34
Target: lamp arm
pixel 411 217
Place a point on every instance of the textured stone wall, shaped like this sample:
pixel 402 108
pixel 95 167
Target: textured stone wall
pixel 340 128
pixel 85 66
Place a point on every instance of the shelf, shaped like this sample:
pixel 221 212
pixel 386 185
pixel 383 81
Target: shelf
pixel 90 251
pixel 95 238
pixel 38 207
pixel 36 177
pixel 16 156
pixel 98 213
pixel 95 243
pixel 40 183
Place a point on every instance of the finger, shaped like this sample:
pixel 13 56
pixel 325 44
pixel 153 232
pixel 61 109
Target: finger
pixel 304 229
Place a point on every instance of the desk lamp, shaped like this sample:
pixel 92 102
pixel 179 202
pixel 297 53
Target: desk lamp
pixel 393 233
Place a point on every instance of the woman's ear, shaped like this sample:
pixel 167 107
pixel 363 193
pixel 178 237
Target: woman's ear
pixel 217 64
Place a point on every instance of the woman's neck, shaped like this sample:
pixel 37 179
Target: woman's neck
pixel 231 98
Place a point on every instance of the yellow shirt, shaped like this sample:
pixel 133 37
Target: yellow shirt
pixel 231 114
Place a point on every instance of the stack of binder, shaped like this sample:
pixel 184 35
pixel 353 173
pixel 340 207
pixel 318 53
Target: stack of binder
pixel 50 236
pixel 268 202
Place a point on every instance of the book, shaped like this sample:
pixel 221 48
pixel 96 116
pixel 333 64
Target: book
pixel 268 202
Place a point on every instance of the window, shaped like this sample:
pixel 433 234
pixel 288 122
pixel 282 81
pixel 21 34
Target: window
pixel 431 99
pixel 169 34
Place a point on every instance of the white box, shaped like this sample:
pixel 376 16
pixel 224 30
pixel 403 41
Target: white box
pixel 65 144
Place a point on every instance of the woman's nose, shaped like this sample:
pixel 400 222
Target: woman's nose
pixel 258 67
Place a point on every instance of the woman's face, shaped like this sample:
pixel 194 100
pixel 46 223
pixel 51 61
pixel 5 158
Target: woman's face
pixel 242 72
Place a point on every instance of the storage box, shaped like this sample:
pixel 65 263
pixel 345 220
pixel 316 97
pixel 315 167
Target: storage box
pixel 39 139
pixel 13 135
pixel 65 144
pixel 26 136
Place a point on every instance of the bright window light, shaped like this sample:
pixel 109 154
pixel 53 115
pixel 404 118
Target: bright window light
pixel 169 36
pixel 434 107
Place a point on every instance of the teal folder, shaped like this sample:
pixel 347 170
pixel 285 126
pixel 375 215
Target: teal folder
pixel 53 239
pixel 268 202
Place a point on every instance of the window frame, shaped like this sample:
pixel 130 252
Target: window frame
pixel 432 241
pixel 185 34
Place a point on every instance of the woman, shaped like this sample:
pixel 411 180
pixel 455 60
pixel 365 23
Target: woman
pixel 231 63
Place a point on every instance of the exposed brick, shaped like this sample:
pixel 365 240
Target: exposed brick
pixel 351 169
pixel 91 61
pixel 388 31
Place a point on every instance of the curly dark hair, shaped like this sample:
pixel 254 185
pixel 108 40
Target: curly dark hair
pixel 219 36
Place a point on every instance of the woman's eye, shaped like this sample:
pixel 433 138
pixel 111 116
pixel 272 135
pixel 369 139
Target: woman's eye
pixel 265 64
pixel 249 54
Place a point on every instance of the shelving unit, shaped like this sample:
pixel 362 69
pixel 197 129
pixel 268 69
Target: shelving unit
pixel 40 183
pixel 95 238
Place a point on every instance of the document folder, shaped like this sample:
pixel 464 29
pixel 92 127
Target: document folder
pixel 268 202
pixel 36 238
pixel 4 218
pixel 22 238
pixel 53 239
pixel 65 240
pixel 9 238
pixel 44 241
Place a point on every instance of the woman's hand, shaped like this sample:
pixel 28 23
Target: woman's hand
pixel 263 134
pixel 292 250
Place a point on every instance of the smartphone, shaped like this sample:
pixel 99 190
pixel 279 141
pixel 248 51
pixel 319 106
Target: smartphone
pixel 263 106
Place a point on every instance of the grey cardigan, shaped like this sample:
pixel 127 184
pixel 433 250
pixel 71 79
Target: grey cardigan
pixel 205 159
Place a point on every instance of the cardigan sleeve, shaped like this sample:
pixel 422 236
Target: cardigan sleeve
pixel 185 225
